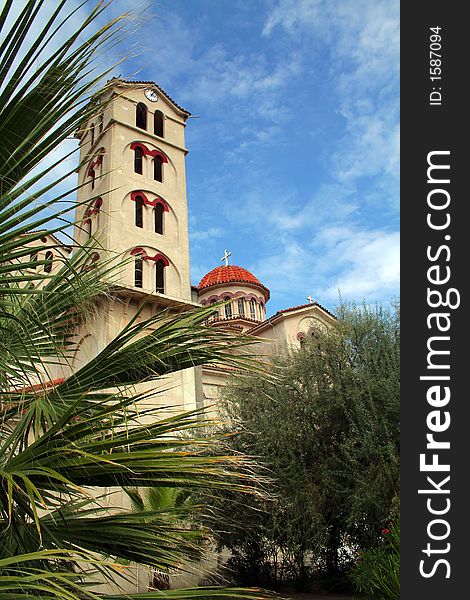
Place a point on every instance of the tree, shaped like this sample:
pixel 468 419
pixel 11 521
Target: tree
pixel 64 444
pixel 172 504
pixel 328 431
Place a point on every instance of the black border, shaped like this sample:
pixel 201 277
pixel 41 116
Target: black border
pixel 426 128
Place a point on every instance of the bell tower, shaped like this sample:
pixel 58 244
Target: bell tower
pixel 132 206
pixel 132 169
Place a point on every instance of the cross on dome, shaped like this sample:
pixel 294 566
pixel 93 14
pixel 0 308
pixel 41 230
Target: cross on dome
pixel 225 257
pixel 310 299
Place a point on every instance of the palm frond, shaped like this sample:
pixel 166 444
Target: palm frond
pixel 64 444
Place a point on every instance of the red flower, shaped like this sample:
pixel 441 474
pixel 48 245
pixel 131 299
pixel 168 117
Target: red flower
pixel 386 531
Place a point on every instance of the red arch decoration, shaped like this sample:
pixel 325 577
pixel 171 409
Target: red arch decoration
pixel 147 152
pixel 95 208
pixel 143 253
pixel 232 296
pixel 96 162
pixel 148 202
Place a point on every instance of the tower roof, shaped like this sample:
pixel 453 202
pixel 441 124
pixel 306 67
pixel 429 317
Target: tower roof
pixel 230 274
pixel 140 83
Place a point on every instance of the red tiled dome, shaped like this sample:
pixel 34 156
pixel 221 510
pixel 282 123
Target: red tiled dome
pixel 229 274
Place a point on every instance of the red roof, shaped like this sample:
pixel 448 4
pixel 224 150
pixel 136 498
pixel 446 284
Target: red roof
pixel 310 304
pixel 229 274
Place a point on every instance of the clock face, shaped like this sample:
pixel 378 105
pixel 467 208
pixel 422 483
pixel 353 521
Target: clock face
pixel 151 95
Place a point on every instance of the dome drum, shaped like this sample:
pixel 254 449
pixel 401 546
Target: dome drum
pixel 244 295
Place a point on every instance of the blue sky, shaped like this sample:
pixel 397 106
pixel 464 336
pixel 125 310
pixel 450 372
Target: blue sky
pixel 293 162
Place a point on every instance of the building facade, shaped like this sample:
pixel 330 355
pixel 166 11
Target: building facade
pixel 132 212
pixel 132 209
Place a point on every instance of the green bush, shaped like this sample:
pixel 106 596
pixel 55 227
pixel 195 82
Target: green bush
pixel 377 572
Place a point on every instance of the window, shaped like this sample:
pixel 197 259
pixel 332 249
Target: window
pixel 87 224
pixel 48 265
pixel 158 123
pixel 241 307
pixel 92 131
pixel 33 259
pixel 160 276
pixel 138 160
pixel 253 309
pixel 261 312
pixel 216 313
pixel 158 168
pixel 159 210
pixel 100 123
pixel 228 309
pixel 141 116
pixel 139 212
pixel 92 175
pixel 138 272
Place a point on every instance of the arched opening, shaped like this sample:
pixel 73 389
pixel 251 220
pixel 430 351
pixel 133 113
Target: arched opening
pixel 158 168
pixel 159 210
pixel 139 212
pixel 241 307
pixel 160 276
pixel 228 308
pixel 48 265
pixel 92 132
pixel 158 123
pixel 87 227
pixel 253 309
pixel 93 177
pixel 138 160
pixel 216 313
pixel 99 163
pixel 33 259
pixel 141 116
pixel 100 123
pixel 138 272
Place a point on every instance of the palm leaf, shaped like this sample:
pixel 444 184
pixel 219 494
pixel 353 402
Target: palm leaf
pixel 62 445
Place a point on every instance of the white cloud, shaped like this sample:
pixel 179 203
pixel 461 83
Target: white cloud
pixel 212 233
pixel 366 263
pixel 359 263
pixel 361 40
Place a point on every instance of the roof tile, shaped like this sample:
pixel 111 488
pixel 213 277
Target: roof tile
pixel 229 274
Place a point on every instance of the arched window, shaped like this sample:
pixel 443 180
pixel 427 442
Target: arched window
pixel 160 276
pixel 241 307
pixel 139 212
pixel 158 168
pixel 158 123
pixel 100 123
pixel 92 131
pixel 261 312
pixel 48 265
pixel 216 314
pixel 92 174
pixel 138 160
pixel 138 272
pixel 159 210
pixel 141 116
pixel 253 309
pixel 33 258
pixel 228 308
pixel 87 224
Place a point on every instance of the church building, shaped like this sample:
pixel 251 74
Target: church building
pixel 132 204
